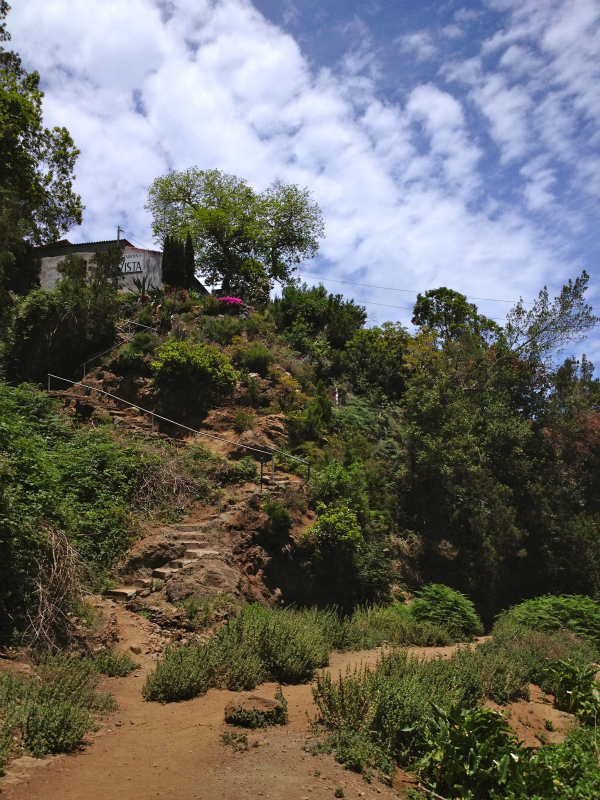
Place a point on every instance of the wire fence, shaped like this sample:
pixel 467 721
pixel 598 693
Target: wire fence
pixel 270 453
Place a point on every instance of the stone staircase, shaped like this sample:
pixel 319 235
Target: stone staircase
pixel 197 541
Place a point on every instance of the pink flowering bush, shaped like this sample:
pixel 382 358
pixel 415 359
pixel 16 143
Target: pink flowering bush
pixel 231 304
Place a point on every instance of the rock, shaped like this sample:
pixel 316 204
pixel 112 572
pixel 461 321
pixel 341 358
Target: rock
pixel 252 711
pixel 210 578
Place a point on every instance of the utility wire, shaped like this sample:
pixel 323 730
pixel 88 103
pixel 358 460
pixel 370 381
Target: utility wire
pixel 393 289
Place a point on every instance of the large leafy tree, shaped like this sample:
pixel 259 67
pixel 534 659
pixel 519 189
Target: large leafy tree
pixel 238 234
pixel 37 202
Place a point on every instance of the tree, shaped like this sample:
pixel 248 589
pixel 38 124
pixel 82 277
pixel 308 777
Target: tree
pixel 549 326
pixel 232 226
pixel 189 261
pixel 37 202
pixel 449 316
pixel 173 262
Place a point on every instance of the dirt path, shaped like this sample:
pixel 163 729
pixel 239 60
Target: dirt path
pixel 175 752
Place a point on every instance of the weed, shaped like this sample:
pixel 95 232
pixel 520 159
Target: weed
pixel 549 725
pixel 237 741
pixel 338 792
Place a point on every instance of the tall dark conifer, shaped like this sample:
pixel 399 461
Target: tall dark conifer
pixel 190 266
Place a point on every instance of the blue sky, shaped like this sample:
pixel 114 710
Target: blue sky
pixel 448 143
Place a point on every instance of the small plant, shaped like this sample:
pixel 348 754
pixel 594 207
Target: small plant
pixel 237 741
pixel 338 792
pixel 243 421
pixel 549 725
pixel 280 520
pixel 113 664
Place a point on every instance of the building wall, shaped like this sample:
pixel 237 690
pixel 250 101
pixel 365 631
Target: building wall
pixel 136 263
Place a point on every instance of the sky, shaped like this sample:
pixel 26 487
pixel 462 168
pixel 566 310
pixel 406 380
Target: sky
pixel 447 143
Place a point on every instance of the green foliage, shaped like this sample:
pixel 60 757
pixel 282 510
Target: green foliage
pixel 474 754
pixel 145 316
pixel 280 520
pixel 374 361
pixel 259 644
pixel 573 686
pixel 51 711
pixel 443 606
pixel 306 314
pixel 114 664
pixel 239 235
pixel 335 533
pixel 200 365
pixel 243 421
pixel 221 330
pixel 254 357
pixel 575 613
pixel 448 314
pixel 36 168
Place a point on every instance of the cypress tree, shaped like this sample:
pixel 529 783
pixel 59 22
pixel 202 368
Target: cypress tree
pixel 190 266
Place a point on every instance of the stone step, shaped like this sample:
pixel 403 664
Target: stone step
pixel 126 594
pixel 189 543
pixel 184 536
pixel 143 583
pixel 163 573
pixel 196 554
pixel 188 527
pixel 180 563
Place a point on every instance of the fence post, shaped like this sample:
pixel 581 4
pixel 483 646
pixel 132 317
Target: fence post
pixel 48 381
pixel 261 473
pixel 84 366
pixel 195 438
pixel 308 477
pixel 152 423
pixel 219 502
pixel 273 467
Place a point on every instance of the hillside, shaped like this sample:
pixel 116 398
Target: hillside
pixel 440 459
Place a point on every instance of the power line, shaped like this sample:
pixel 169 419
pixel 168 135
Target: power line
pixel 393 289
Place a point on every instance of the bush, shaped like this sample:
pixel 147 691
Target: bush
pixel 51 711
pixel 575 613
pixel 254 357
pixel 280 520
pixel 449 609
pixel 113 664
pixel 201 365
pixel 336 532
pixel 259 644
pixel 243 421
pixel 221 330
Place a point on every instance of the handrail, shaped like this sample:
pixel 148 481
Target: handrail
pixel 114 347
pixel 196 433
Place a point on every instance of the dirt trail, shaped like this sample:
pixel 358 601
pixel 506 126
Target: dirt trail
pixel 174 752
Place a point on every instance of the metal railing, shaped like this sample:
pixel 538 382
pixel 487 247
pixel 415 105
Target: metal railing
pixel 270 452
pixel 115 346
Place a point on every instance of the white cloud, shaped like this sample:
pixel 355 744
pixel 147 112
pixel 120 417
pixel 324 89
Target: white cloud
pixel 402 188
pixel 419 44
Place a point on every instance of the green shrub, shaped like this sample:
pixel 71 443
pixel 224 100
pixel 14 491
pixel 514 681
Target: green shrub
pixel 221 330
pixel 201 365
pixel 336 531
pixel 280 520
pixel 243 421
pixel 51 711
pixel 145 316
pixel 254 357
pixel 474 754
pixel 113 664
pixel 259 644
pixel 575 613
pixel 449 609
